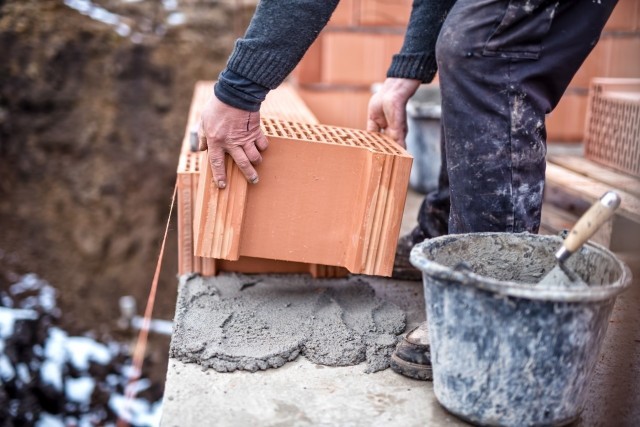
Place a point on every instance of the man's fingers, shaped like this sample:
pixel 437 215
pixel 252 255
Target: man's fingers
pixel 241 159
pixel 398 135
pixel 202 139
pixel 378 124
pixel 252 153
pixel 377 121
pixel 397 129
pixel 202 142
pixel 396 116
pixel 216 159
pixel 262 142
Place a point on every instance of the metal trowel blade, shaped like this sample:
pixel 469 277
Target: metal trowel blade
pixel 562 277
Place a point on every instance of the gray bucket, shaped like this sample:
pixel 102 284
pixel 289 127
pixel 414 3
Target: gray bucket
pixel 505 351
pixel 423 138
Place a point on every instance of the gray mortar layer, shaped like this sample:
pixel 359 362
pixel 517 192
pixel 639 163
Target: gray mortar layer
pixel 239 322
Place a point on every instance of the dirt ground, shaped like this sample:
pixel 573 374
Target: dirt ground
pixel 91 123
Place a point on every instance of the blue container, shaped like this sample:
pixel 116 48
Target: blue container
pixel 423 138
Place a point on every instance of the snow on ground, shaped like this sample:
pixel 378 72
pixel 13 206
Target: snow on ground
pixel 51 379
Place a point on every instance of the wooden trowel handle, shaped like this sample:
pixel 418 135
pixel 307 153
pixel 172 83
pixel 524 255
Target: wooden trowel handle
pixel 588 224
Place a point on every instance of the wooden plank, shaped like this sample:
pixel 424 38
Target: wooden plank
pixel 581 187
pixel 555 219
pixel 598 172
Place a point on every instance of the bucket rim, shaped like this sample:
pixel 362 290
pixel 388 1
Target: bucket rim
pixel 514 289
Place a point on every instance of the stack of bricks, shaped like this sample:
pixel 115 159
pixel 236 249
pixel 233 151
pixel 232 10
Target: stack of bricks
pixel 617 54
pixel 329 200
pixel 353 52
pixel 612 133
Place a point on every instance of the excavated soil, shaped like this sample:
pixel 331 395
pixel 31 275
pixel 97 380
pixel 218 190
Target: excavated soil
pixel 94 98
pixel 90 128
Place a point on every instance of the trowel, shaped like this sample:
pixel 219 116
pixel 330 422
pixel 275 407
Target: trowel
pixel 586 226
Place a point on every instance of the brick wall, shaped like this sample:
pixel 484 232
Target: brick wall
pixel 617 54
pixel 352 52
pixel 355 50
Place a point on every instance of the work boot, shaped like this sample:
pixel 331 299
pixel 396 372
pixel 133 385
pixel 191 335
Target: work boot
pixel 402 268
pixel 412 356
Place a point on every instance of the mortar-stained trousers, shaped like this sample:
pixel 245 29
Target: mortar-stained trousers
pixel 502 66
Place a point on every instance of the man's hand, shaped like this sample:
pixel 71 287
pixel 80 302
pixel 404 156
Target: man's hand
pixel 387 108
pixel 225 129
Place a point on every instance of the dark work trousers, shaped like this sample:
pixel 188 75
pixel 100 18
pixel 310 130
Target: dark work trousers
pixel 503 65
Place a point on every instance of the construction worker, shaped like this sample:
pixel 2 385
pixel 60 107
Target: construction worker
pixel 502 66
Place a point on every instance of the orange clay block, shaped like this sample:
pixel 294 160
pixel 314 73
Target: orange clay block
pixel 357 58
pixel 385 12
pixel 283 102
pixel 342 105
pixel 345 14
pixel 327 195
pixel 612 132
pixel 188 168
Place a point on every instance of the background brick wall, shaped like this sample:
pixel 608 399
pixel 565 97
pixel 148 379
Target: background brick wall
pixel 355 50
pixel 617 54
pixel 352 52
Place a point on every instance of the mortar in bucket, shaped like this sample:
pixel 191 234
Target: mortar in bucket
pixel 504 350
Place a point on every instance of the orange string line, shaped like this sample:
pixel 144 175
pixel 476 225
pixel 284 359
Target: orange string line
pixel 141 342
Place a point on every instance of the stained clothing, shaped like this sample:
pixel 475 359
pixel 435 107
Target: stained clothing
pixel 502 66
pixel 240 92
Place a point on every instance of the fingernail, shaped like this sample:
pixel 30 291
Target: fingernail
pixel 255 180
pixel 222 184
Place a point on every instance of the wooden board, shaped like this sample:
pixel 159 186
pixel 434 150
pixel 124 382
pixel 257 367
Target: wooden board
pixel 554 220
pixel 598 172
pixel 586 190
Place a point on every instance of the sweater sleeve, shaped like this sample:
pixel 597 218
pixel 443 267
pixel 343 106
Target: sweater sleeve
pixel 239 92
pixel 417 58
pixel 279 34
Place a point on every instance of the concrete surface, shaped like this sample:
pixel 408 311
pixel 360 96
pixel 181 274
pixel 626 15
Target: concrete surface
pixel 298 394
pixel 614 396
pixel 250 322
pixel 301 393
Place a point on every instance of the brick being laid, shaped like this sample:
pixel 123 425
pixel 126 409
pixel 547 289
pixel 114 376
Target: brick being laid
pixel 282 102
pixel 327 195
pixel 187 177
pixel 343 106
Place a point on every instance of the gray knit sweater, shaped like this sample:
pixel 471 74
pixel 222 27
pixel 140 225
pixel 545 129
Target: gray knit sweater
pixel 281 31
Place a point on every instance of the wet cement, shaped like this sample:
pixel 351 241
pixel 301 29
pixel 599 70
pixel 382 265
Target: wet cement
pixel 238 322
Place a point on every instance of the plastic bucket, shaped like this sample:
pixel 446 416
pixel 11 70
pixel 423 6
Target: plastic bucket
pixel 423 138
pixel 505 351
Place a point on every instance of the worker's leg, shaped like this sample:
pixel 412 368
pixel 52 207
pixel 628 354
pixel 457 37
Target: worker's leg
pixel 503 65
